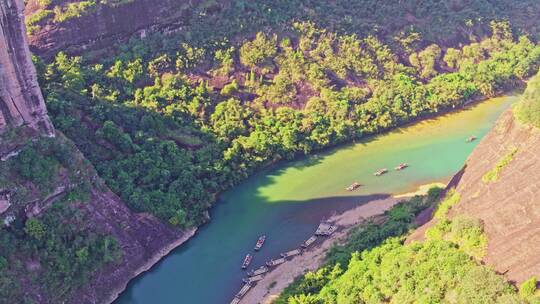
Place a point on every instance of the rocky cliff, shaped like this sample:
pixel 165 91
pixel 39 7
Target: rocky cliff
pixel 507 202
pixel 141 238
pixel 21 101
pixel 107 22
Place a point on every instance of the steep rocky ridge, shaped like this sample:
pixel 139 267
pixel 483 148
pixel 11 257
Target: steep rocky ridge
pixel 21 101
pixel 508 206
pixel 141 238
pixel 109 23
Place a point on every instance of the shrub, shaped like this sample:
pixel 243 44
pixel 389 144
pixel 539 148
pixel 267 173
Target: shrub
pixel 528 109
pixel 493 174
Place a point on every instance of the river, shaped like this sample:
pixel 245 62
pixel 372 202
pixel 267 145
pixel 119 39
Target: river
pixel 287 201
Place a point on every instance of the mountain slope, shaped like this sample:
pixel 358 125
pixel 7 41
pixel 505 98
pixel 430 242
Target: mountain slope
pixel 21 102
pixel 64 236
pixel 498 186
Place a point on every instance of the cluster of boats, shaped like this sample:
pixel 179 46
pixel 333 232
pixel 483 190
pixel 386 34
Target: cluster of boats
pixel 325 228
pixel 258 246
pixel 379 172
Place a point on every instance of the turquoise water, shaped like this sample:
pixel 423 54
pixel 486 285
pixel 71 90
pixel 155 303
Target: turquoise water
pixel 287 202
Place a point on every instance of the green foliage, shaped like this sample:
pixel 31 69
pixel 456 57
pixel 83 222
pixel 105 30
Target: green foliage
pixel 230 88
pixel 528 109
pixel 34 228
pixel 399 219
pixel 73 10
pixel 34 166
pixel 429 272
pixel 451 199
pixel 258 51
pixel 493 174
pixel 57 251
pixel 528 289
pixel 33 21
pixel 167 142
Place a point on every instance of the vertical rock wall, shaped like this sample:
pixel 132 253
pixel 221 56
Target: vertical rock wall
pixel 21 101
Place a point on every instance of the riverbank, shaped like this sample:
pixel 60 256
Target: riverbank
pixel 422 190
pixel 273 203
pixel 311 259
pixel 153 260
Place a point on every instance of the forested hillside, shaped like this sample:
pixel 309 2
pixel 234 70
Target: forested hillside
pixel 480 236
pixel 168 125
pixel 171 114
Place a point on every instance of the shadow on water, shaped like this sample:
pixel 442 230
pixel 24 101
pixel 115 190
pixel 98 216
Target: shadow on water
pixel 213 258
pixel 287 206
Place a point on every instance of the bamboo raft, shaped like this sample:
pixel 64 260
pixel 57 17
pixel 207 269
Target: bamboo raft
pixel 401 166
pixel 381 172
pixel 353 186
pixel 309 241
pixel 291 253
pixel 276 262
pixel 243 291
pixel 325 229
pixel 258 271
pixel 253 279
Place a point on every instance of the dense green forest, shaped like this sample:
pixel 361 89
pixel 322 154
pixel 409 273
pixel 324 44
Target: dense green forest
pixel 169 121
pixel 168 125
pixel 445 268
pixel 55 252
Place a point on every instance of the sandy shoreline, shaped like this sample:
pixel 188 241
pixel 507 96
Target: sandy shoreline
pixel 310 260
pixel 151 262
pixel 422 190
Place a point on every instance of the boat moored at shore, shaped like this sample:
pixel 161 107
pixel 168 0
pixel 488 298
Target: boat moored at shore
pixel 275 262
pixel 258 271
pixel 291 253
pixel 243 291
pixel 309 241
pixel 325 229
pixel 253 279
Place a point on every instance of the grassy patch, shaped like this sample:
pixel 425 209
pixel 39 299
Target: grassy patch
pixel 33 21
pixel 527 110
pixel 73 10
pixel 493 174
pixel 451 199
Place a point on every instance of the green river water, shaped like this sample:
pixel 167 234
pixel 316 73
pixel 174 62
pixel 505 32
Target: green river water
pixel 287 201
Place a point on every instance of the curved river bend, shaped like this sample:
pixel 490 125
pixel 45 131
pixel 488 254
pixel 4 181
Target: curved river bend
pixel 286 202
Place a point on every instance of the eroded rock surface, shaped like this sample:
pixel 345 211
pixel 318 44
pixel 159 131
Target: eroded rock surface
pixel 21 101
pixel 509 206
pixel 107 23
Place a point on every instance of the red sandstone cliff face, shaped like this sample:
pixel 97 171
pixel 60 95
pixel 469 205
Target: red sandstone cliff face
pixel 108 23
pixel 509 207
pixel 21 102
pixel 142 238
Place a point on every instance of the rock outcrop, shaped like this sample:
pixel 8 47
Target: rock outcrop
pixel 142 238
pixel 508 206
pixel 21 101
pixel 106 23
